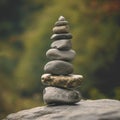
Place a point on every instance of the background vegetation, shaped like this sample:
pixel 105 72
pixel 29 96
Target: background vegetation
pixel 25 30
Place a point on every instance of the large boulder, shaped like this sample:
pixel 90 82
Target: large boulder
pixel 102 109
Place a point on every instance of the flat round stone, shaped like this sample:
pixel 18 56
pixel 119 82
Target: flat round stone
pixel 54 95
pixel 69 81
pixel 61 23
pixel 55 54
pixel 58 67
pixel 62 44
pixel 61 29
pixel 61 36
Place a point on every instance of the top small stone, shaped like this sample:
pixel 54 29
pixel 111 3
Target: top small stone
pixel 61 18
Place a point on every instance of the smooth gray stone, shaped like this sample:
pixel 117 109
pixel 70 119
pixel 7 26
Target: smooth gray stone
pixel 54 95
pixel 58 67
pixel 61 36
pixel 61 29
pixel 62 44
pixel 61 23
pixel 101 109
pixel 55 54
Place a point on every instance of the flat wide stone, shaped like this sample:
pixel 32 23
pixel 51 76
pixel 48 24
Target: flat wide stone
pixel 55 54
pixel 69 81
pixel 58 67
pixel 54 95
pixel 62 44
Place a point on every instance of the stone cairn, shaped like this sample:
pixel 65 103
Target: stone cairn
pixel 59 75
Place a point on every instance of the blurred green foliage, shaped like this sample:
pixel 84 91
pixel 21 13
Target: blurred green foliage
pixel 26 27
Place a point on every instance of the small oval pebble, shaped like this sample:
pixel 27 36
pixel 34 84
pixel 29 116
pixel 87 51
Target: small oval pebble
pixel 62 44
pixel 55 54
pixel 58 67
pixel 61 36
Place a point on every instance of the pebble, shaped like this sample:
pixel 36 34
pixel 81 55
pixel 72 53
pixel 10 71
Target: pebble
pixel 54 95
pixel 61 36
pixel 58 67
pixel 62 44
pixel 61 18
pixel 61 29
pixel 61 23
pixel 69 81
pixel 55 54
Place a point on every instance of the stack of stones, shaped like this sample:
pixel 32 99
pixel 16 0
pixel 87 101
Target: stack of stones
pixel 59 75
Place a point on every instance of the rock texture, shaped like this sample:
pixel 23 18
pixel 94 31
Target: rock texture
pixel 104 109
pixel 71 81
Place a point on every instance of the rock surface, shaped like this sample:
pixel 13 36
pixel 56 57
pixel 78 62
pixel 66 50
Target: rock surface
pixel 55 95
pixel 104 109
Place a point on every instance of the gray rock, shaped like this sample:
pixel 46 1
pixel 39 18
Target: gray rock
pixel 61 29
pixel 58 67
pixel 69 81
pixel 61 36
pixel 54 95
pixel 62 44
pixel 103 109
pixel 55 54
pixel 61 23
